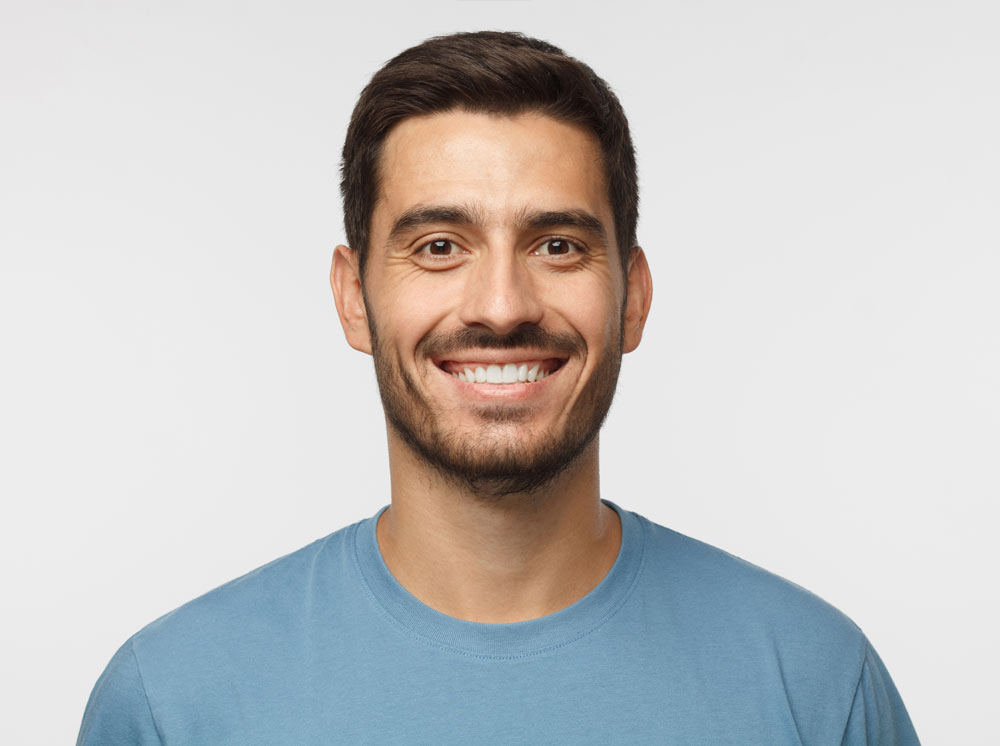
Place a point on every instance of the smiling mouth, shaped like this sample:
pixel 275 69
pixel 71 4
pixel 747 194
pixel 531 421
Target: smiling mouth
pixel 506 373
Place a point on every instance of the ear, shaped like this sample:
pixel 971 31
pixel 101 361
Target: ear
pixel 639 285
pixel 345 281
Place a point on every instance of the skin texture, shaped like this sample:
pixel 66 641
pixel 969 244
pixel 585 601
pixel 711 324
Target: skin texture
pixel 493 241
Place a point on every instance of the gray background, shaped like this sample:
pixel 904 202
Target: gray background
pixel 817 391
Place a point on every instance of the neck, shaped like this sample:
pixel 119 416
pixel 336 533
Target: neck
pixel 496 559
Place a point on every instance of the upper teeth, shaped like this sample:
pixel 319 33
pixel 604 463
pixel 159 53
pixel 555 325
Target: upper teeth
pixel 509 373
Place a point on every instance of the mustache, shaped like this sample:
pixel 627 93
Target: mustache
pixel 525 335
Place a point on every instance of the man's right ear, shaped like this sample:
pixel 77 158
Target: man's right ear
pixel 345 281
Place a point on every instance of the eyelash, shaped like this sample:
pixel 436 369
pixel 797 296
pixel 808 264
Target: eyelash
pixel 580 248
pixel 436 257
pixel 420 250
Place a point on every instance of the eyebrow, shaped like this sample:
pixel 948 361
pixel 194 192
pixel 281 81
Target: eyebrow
pixel 467 215
pixel 579 219
pixel 421 215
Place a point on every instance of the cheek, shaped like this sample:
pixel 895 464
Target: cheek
pixel 409 312
pixel 593 308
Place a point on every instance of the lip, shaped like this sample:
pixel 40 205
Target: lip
pixel 501 391
pixel 547 364
pixel 500 357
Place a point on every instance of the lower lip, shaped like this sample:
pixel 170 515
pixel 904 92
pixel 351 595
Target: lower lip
pixel 504 391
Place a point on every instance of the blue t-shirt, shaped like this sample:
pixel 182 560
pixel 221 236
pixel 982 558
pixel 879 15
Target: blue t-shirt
pixel 680 644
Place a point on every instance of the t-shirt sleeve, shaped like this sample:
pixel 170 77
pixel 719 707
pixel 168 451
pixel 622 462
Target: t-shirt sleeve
pixel 878 716
pixel 118 711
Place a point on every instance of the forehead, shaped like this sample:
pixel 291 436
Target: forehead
pixel 502 164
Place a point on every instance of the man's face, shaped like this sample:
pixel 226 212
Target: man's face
pixel 493 257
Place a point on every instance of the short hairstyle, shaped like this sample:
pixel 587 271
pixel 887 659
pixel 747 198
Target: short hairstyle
pixel 492 72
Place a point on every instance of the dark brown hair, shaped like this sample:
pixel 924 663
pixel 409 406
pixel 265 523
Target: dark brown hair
pixel 494 72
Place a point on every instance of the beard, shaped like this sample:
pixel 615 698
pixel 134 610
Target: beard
pixel 490 463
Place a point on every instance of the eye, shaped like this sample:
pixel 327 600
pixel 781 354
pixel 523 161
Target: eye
pixel 558 247
pixel 439 247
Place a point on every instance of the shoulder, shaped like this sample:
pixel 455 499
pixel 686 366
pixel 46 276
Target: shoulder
pixel 185 667
pixel 734 599
pixel 272 597
pixel 742 637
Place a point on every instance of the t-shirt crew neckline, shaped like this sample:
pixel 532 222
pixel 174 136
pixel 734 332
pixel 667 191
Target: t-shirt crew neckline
pixel 504 640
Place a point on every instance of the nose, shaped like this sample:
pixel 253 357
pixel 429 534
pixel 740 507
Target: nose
pixel 501 293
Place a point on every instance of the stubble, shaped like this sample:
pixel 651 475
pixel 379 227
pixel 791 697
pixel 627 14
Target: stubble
pixel 490 464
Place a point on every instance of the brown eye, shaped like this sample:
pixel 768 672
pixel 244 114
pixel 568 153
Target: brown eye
pixel 441 247
pixel 558 247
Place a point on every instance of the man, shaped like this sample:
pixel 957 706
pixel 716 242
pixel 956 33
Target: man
pixel 490 202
